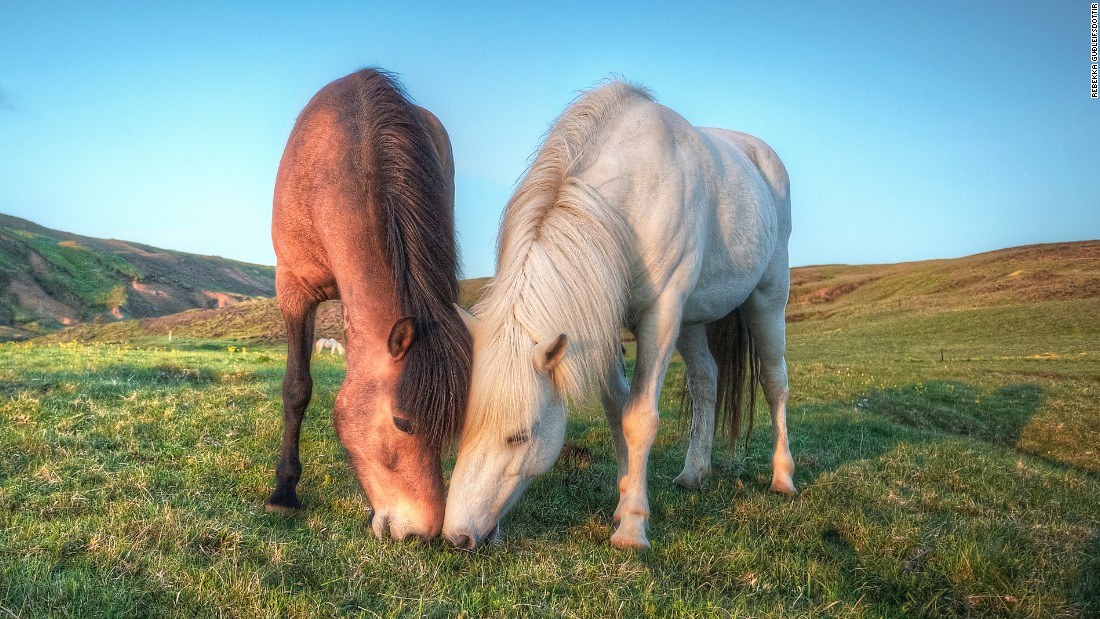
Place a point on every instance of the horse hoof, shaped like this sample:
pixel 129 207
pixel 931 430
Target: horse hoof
pixel 784 486
pixel 629 542
pixel 689 481
pixel 273 508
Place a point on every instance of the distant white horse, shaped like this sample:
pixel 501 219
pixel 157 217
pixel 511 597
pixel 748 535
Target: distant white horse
pixel 330 344
pixel 628 214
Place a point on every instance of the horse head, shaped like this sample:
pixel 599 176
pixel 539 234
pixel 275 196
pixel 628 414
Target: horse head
pixel 514 430
pixel 393 452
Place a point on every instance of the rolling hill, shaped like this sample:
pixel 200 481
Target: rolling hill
pixel 254 321
pixel 51 279
pixel 913 308
pixel 1007 300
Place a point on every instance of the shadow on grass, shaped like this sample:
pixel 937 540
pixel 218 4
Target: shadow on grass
pixel 825 437
pixel 997 418
pixel 1088 588
pixel 915 485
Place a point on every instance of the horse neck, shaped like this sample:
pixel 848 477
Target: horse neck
pixel 368 320
pixel 563 265
pixel 571 277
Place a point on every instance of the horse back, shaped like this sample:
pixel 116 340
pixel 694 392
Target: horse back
pixel 767 164
pixel 330 227
pixel 709 208
pixel 749 225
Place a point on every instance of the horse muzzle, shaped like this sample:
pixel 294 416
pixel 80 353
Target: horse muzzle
pixel 384 523
pixel 463 540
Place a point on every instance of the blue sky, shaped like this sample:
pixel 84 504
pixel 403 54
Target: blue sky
pixel 909 132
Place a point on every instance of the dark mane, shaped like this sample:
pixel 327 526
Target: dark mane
pixel 407 184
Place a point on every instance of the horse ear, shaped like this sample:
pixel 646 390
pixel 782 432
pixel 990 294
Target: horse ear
pixel 473 324
pixel 550 352
pixel 401 337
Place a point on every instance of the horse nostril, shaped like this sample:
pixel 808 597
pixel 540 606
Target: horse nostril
pixel 460 541
pixel 416 537
pixel 380 525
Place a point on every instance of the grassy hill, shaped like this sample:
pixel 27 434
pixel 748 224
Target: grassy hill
pixel 50 279
pixel 1032 273
pixel 948 309
pixel 251 322
pixel 921 307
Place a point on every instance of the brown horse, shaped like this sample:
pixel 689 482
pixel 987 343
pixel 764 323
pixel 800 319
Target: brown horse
pixel 364 212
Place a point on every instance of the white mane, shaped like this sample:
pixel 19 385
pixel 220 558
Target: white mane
pixel 561 268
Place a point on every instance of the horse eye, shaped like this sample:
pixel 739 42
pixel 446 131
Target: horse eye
pixel 403 424
pixel 519 437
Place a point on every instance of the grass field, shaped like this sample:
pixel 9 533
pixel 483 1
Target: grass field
pixel 948 459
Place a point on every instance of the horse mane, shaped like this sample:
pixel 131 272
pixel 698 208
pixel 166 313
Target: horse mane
pixel 405 181
pixel 562 267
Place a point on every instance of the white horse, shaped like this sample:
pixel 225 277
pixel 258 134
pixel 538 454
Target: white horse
pixel 333 346
pixel 627 215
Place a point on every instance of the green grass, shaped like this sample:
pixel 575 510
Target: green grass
pixel 944 424
pixel 133 479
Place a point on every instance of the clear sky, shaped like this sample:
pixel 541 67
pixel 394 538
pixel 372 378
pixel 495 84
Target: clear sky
pixel 909 132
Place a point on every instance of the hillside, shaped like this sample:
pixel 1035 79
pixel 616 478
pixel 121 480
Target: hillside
pixel 255 321
pixel 1027 274
pixel 932 305
pixel 1006 300
pixel 51 279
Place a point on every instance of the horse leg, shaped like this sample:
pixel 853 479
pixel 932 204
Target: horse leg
pixel 764 314
pixel 614 395
pixel 656 332
pixel 702 384
pixel 298 314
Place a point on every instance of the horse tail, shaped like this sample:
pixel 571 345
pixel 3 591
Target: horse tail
pixel 731 344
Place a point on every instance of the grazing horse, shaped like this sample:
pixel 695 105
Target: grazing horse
pixel 331 345
pixel 364 212
pixel 628 215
